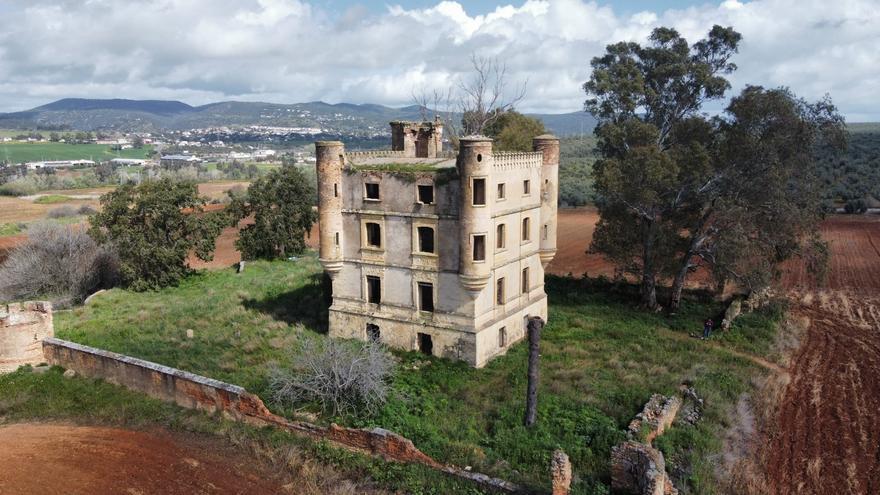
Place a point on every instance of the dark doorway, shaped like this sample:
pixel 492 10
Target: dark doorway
pixel 373 334
pixel 426 296
pixel 426 345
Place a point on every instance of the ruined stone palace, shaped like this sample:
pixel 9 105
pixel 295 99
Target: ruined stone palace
pixel 434 252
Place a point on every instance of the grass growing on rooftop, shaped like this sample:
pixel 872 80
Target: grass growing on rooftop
pixel 601 361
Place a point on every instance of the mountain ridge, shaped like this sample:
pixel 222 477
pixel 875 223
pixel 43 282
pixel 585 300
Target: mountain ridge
pixel 127 115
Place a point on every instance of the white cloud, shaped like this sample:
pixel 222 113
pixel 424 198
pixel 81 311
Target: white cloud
pixel 289 51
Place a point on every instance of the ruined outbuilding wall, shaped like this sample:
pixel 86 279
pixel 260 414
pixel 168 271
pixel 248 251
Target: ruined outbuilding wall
pixel 23 326
pixel 193 391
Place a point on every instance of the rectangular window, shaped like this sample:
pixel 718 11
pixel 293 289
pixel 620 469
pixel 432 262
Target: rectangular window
pixel 374 289
pixel 426 239
pixel 426 194
pixel 501 191
pixel 525 280
pixel 374 235
pixel 499 291
pixel 479 192
pixel 527 185
pixel 426 296
pixel 335 190
pixel 502 337
pixel 526 226
pixel 337 238
pixel 372 190
pixel 479 248
pixel 546 231
pixel 500 236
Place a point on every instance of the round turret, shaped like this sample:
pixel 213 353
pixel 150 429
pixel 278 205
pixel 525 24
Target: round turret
pixel 548 145
pixel 474 167
pixel 330 157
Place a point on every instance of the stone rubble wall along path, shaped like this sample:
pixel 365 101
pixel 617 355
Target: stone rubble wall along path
pixel 193 391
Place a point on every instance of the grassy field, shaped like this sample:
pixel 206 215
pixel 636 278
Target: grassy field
pixel 601 360
pixel 31 152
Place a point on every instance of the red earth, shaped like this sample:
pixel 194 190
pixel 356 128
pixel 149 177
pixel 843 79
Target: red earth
pixel 71 460
pixel 826 436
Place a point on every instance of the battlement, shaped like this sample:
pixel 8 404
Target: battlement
pixel 368 154
pixel 507 160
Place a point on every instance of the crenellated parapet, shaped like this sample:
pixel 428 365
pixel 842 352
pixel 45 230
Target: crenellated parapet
pixel 510 160
pixel 355 156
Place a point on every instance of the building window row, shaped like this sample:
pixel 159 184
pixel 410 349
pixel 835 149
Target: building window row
pixel 424 192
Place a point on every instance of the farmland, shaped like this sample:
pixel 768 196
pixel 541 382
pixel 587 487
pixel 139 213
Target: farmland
pixel 19 152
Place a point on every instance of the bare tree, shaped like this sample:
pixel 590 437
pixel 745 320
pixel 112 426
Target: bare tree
pixel 474 102
pixel 483 97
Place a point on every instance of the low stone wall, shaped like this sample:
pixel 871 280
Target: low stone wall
pixel 161 382
pixel 193 391
pixel 657 415
pixel 23 326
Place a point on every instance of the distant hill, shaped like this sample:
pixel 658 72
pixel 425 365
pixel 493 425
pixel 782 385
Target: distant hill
pixel 149 115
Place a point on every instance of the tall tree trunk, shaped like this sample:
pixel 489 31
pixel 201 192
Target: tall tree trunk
pixel 678 284
pixel 534 326
pixel 649 272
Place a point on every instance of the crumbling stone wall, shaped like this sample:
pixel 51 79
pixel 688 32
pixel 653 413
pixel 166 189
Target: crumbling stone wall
pixel 639 469
pixel 198 392
pixel 657 415
pixel 23 326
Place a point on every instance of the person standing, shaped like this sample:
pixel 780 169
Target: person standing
pixel 707 328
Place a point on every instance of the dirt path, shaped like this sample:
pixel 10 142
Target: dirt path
pixel 54 459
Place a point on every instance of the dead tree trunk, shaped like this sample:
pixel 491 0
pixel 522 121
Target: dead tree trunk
pixel 534 326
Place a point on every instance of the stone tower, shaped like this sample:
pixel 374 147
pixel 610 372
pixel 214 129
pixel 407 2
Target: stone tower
pixel 433 253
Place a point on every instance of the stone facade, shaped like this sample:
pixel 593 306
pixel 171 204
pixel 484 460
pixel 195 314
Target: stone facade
pixel 23 326
pixel 437 254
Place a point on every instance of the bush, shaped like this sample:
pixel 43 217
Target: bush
pixel 856 206
pixel 344 377
pixel 86 210
pixel 57 261
pixel 62 212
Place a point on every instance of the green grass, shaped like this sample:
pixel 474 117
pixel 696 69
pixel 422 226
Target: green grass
pixel 11 228
pixel 601 361
pixel 26 396
pixel 17 152
pixel 51 199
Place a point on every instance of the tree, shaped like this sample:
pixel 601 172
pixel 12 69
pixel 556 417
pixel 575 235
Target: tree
pixel 153 227
pixel 137 142
pixel 762 200
pixel 738 193
pixel 513 131
pixel 640 96
pixel 281 204
pixel 483 97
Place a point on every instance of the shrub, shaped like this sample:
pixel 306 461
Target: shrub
pixel 856 206
pixel 57 261
pixel 62 212
pixel 281 204
pixel 344 377
pixel 86 210
pixel 153 227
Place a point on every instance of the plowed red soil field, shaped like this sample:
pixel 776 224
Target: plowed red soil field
pixel 826 438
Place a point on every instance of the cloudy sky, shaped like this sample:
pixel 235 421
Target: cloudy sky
pixel 289 51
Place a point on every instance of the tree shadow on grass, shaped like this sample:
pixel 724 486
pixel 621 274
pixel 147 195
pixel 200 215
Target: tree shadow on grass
pixel 307 305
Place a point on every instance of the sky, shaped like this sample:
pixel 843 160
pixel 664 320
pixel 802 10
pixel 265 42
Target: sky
pixel 373 51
